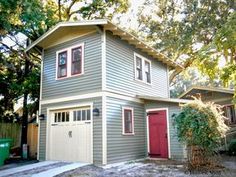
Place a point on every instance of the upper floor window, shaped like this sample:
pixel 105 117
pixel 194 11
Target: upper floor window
pixel 70 61
pixel 62 64
pixel 128 121
pixel 142 69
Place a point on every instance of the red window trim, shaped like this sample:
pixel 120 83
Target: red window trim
pixel 124 121
pixel 81 62
pixel 58 64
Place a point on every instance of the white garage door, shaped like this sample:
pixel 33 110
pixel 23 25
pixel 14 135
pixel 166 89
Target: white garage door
pixel 70 135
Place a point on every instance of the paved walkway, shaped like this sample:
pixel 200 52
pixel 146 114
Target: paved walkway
pixel 41 169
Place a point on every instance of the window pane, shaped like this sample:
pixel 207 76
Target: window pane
pixel 67 117
pixel 59 117
pixel 78 115
pixel 138 62
pixel 128 121
pixel 62 58
pixel 88 115
pixel 76 60
pixel 62 71
pixel 63 117
pixel 55 117
pixel 147 72
pixel 139 68
pixel 83 115
pixel 74 115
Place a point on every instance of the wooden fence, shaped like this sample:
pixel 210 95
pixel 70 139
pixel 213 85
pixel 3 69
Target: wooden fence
pixel 11 130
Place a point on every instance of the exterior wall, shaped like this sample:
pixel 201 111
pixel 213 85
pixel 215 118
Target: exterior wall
pixel 177 149
pixel 97 128
pixel 90 81
pixel 120 75
pixel 125 147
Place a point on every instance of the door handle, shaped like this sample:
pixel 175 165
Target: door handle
pixel 70 134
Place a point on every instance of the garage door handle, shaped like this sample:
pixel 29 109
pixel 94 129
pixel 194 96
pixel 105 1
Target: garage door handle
pixel 54 124
pixel 70 134
pixel 87 122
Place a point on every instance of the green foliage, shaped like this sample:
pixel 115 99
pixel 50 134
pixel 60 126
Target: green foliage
pixel 200 124
pixel 232 147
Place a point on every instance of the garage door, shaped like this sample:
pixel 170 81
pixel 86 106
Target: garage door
pixel 70 135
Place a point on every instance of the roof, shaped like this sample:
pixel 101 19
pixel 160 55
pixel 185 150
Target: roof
pixel 197 89
pixel 169 100
pixel 107 25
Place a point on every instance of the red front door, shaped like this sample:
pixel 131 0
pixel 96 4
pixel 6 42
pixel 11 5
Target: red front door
pixel 158 141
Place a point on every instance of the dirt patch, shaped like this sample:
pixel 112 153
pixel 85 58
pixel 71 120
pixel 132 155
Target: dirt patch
pixel 146 168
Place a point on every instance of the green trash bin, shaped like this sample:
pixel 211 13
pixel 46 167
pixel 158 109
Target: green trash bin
pixel 4 150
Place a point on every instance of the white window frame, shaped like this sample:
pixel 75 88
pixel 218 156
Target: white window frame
pixel 143 60
pixel 69 61
pixel 123 120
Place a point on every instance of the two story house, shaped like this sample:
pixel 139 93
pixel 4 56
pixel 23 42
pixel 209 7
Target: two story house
pixel 104 96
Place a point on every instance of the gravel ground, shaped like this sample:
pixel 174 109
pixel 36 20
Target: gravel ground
pixel 151 168
pixel 29 173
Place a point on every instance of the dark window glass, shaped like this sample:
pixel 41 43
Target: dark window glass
pixel 55 117
pixel 139 68
pixel 88 115
pixel 78 115
pixel 128 121
pixel 63 116
pixel 83 114
pixel 67 117
pixel 147 72
pixel 59 117
pixel 76 60
pixel 62 64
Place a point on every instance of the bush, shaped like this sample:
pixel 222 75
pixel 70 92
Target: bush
pixel 232 147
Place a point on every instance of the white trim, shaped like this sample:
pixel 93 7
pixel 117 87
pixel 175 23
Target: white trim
pixel 104 131
pixel 123 120
pixel 40 99
pixel 103 39
pixel 168 128
pixel 71 106
pixel 69 61
pixel 143 60
pixel 168 81
pixel 93 95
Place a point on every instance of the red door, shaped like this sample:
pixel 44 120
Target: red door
pixel 158 142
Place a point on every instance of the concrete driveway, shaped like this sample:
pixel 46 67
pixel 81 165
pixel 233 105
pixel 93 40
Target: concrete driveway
pixel 41 169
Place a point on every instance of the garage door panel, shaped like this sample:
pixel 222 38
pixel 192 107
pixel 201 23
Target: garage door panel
pixel 71 140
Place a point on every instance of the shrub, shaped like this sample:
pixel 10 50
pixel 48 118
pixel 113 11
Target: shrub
pixel 200 126
pixel 232 147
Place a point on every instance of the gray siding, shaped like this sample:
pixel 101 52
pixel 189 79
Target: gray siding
pixel 90 81
pixel 121 71
pixel 124 147
pixel 97 128
pixel 176 148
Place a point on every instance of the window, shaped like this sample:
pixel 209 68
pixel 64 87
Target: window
pixel 128 121
pixel 81 115
pixel 142 69
pixel 70 62
pixel 229 112
pixel 62 64
pixel 61 116
pixel 76 60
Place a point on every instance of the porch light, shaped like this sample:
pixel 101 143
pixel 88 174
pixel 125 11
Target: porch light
pixel 41 117
pixel 96 112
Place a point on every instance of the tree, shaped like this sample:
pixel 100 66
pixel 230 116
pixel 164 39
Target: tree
pixel 20 71
pixel 193 32
pixel 200 126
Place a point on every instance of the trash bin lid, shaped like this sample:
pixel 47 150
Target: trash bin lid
pixel 3 140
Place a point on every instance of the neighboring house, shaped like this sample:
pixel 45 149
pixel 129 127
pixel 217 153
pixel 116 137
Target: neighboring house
pixel 104 96
pixel 221 96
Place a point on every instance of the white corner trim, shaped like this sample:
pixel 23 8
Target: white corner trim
pixel 103 40
pixel 40 99
pixel 104 131
pixel 168 128
pixel 123 120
